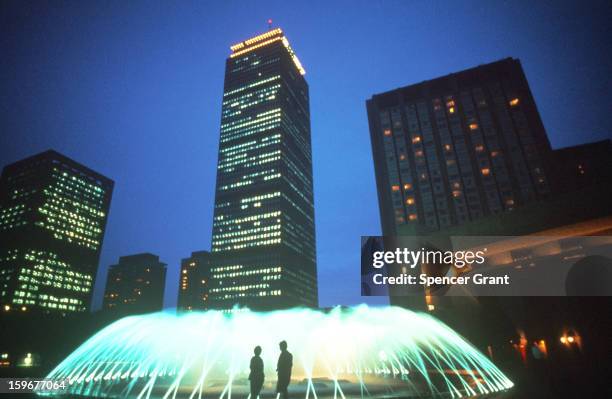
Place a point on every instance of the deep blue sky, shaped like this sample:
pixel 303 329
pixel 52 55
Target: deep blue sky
pixel 133 90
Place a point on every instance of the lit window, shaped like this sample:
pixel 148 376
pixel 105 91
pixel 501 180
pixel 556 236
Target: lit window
pixel 451 110
pixel 456 193
pixel 447 147
pixel 494 154
pixel 418 153
pixel 479 147
pixel 431 308
pixel 395 188
pixel 473 126
pixel 387 132
pixel 450 103
pixel 514 102
pixel 407 186
pixel 410 201
pixel 416 139
pixel 486 171
pixel 412 216
pixel 402 157
pixel 510 202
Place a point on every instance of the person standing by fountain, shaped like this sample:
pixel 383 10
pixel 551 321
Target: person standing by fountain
pixel 256 376
pixel 283 369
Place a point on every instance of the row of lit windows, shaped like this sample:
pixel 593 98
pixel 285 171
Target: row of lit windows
pixel 250 145
pixel 257 129
pixel 239 235
pixel 245 219
pixel 241 159
pixel 251 85
pixel 240 288
pixel 259 243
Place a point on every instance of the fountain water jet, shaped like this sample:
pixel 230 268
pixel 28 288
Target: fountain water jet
pixel 344 353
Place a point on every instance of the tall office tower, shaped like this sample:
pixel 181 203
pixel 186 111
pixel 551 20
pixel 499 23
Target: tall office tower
pixel 53 214
pixel 457 148
pixel 263 240
pixel 135 285
pixel 194 282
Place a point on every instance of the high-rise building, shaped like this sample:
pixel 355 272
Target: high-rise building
pixel 194 282
pixel 53 214
pixel 457 148
pixel 263 240
pixel 135 285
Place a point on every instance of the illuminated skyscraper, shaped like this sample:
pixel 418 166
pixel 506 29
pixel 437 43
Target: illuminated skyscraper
pixel 53 214
pixel 263 234
pixel 194 282
pixel 454 149
pixel 135 285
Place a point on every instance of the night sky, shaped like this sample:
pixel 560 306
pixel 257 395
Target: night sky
pixel 133 90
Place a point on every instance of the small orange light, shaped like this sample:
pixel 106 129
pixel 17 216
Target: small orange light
pixel 416 139
pixel 473 126
pixel 514 102
pixel 410 200
pixel 451 110
pixel 486 171
pixel 412 216
pixel 407 186
pixel 479 147
pixel 387 132
pixel 570 339
pixel 395 188
pixel 563 339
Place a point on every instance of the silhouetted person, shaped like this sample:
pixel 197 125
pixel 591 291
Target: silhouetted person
pixel 256 376
pixel 283 369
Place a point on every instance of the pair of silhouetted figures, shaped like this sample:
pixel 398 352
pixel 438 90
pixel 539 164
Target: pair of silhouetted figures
pixel 283 370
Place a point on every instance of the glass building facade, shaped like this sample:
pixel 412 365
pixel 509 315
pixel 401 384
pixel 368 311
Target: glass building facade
pixel 53 214
pixel 135 285
pixel 194 282
pixel 263 242
pixel 457 148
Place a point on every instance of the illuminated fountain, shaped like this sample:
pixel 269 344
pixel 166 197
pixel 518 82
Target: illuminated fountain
pixel 359 352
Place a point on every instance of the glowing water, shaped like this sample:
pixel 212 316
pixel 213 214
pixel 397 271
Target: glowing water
pixel 360 352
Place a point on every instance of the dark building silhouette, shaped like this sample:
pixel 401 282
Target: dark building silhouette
pixel 135 285
pixel 581 166
pixel 194 282
pixel 457 148
pixel 263 240
pixel 53 214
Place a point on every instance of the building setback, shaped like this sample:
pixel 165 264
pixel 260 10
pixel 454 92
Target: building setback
pixel 135 285
pixel 194 282
pixel 263 240
pixel 454 149
pixel 53 214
